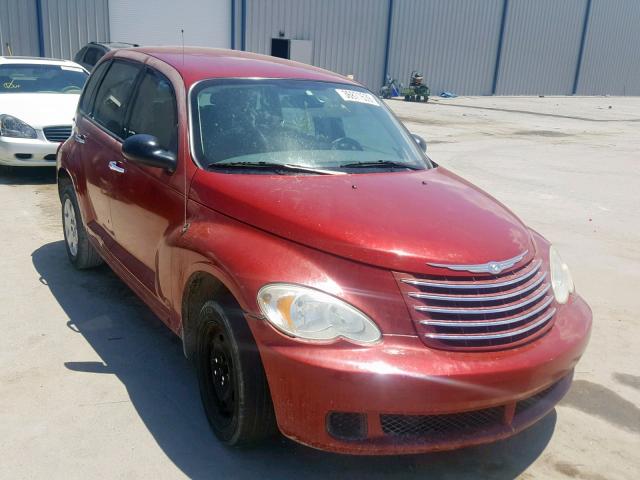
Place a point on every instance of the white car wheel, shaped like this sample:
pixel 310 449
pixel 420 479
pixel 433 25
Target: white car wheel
pixel 70 227
pixel 79 250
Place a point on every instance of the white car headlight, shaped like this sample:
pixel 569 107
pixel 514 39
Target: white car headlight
pixel 14 127
pixel 310 314
pixel 561 279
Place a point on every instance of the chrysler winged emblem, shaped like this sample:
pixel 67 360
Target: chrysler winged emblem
pixel 493 267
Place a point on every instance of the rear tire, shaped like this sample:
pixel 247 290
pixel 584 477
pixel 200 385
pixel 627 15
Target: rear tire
pixel 233 386
pixel 81 253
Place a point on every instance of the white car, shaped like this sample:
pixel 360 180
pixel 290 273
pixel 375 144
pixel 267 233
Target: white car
pixel 38 99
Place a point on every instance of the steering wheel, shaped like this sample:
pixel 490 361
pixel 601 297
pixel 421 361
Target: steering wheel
pixel 346 143
pixel 70 88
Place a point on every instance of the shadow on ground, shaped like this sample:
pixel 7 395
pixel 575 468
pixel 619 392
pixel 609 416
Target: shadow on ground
pixel 147 358
pixel 27 175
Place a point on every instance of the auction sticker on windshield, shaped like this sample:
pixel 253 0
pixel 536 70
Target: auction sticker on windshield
pixel 355 96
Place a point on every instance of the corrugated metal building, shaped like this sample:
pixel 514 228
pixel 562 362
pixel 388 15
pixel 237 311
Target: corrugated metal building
pixel 540 47
pixel 453 44
pixel 51 28
pixel 347 36
pixel 470 47
pixel 67 25
pixel 18 27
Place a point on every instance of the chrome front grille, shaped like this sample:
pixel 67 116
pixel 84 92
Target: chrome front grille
pixel 481 311
pixel 58 133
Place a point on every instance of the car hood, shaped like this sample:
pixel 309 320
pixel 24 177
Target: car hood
pixel 400 221
pixel 40 109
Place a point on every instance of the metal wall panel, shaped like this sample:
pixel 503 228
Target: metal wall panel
pixel 541 45
pixel 611 60
pixel 453 43
pixel 348 36
pixel 18 28
pixel 70 24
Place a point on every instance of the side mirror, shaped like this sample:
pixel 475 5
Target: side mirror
pixel 145 150
pixel 422 143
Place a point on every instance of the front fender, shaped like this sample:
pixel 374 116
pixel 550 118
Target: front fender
pixel 245 258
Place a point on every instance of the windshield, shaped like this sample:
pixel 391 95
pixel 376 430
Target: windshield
pixel 33 78
pixel 300 123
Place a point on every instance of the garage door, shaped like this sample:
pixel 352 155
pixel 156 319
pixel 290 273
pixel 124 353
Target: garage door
pixel 158 22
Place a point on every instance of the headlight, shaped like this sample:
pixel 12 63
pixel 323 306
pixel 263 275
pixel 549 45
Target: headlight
pixel 561 279
pixel 14 127
pixel 314 315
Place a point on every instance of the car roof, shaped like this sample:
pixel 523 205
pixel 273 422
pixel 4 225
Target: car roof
pixel 114 45
pixel 200 63
pixel 37 61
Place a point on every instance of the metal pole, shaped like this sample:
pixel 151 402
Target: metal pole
pixel 243 26
pixel 1 39
pixel 387 42
pixel 233 25
pixel 40 27
pixel 585 26
pixel 503 22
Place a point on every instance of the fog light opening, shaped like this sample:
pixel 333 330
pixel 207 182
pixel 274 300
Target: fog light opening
pixel 347 426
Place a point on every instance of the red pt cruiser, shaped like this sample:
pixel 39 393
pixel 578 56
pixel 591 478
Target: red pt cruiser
pixel 323 273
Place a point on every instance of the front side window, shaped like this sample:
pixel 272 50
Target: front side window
pixel 113 95
pixel 154 111
pixel 302 123
pixel 38 78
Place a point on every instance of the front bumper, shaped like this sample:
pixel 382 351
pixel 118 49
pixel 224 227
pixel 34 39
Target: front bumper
pixel 27 152
pixel 402 379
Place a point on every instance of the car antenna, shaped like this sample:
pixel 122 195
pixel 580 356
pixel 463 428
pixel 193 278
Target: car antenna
pixel 185 226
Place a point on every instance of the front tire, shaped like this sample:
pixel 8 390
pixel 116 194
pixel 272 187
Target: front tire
pixel 233 385
pixel 81 253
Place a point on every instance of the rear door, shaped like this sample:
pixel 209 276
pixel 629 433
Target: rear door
pixel 99 135
pixel 146 206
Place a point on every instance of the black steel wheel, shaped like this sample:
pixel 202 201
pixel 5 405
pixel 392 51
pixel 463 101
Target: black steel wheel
pixel 222 376
pixel 233 385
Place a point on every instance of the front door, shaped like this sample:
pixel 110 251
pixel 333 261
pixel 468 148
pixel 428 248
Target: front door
pixel 146 206
pixel 99 137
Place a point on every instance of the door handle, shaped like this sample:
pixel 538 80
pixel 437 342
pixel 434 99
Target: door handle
pixel 113 165
pixel 80 138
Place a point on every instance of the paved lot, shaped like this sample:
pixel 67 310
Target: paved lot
pixel 93 386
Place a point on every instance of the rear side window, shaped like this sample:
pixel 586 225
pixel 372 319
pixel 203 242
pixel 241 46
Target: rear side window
pixel 154 111
pixel 80 55
pixel 93 55
pixel 113 94
pixel 90 88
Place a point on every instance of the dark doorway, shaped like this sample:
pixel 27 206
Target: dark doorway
pixel 280 47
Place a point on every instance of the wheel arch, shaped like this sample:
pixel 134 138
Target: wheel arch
pixel 63 178
pixel 200 287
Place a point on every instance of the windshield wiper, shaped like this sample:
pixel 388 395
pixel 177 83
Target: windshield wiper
pixel 379 163
pixel 272 166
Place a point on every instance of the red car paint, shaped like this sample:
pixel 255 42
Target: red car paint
pixel 348 235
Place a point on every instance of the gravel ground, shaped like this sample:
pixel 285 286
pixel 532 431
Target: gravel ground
pixel 93 386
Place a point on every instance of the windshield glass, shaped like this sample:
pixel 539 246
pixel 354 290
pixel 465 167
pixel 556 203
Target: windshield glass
pixel 27 78
pixel 298 122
